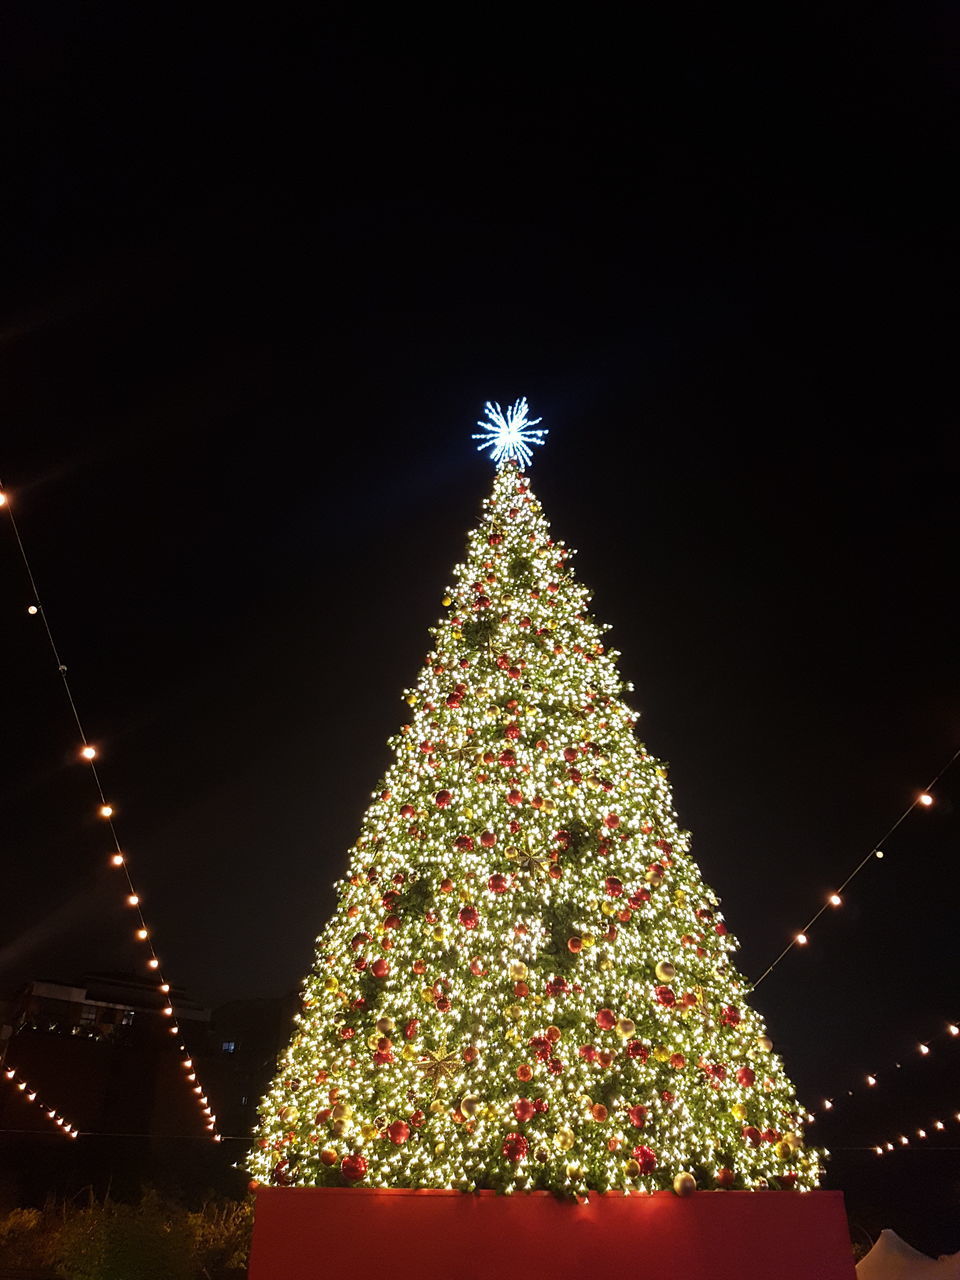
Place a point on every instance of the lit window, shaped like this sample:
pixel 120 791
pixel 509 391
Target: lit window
pixel 228 1046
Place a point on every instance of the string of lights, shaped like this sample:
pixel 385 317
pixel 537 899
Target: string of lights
pixel 30 1095
pixel 872 1080
pixel 923 800
pixel 87 752
pixel 902 1140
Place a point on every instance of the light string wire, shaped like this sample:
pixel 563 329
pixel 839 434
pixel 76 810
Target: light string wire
pixel 873 1079
pixel 118 859
pixel 922 800
pixel 23 1086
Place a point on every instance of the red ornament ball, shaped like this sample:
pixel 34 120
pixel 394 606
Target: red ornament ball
pixel 398 1132
pixel 488 839
pixel 524 1110
pixel 606 1019
pixel 666 996
pixel 380 968
pixel 498 883
pixel 469 917
pixel 752 1135
pixel 515 1147
pixel 353 1168
pixel 724 1177
pixel 645 1158
pixel 637 1116
pixel 745 1077
pixel 613 887
pixel 442 799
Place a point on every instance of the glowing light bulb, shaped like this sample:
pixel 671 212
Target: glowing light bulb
pixel 925 798
pixel 827 1104
pixel 953 1029
pixel 801 939
pixel 924 1048
pixel 32 1097
pixel 22 1085
pixel 878 1150
pixel 153 963
pixel 216 1137
pixel 889 1146
pixel 904 1142
pixel 938 1124
pixel 88 752
pixel 165 987
pixel 106 811
pixel 141 934
pixel 3 498
pixel 32 609
pixel 174 1031
pixel 879 853
pixel 168 1011
pixel 10 1074
pixel 133 900
pixel 921 1133
pixel 117 860
pixel 188 1062
pixel 835 900
pixel 871 1080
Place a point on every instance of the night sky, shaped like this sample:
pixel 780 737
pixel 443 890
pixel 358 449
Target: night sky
pixel 260 275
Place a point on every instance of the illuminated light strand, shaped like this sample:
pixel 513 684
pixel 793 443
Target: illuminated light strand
pixel 23 1086
pixel 923 800
pixel 872 1079
pixel 88 753
pixel 920 1134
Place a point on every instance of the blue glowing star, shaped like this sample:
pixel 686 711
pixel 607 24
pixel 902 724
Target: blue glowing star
pixel 509 435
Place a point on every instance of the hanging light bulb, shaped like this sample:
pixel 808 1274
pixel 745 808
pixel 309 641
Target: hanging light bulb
pixel 32 609
pixel 88 752
pixel 801 939
pixel 835 900
pixel 925 798
pixel 117 860
pixel 133 900
pixel 106 811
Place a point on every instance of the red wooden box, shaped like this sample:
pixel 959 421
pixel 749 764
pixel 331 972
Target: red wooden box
pixel 353 1233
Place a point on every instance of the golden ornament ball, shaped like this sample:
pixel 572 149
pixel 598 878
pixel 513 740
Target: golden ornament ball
pixel 587 939
pixel 684 1184
pixel 330 983
pixel 439 1149
pixel 436 1106
pixel 426 995
pixel 794 1141
pixel 469 1105
pixel 338 1128
pixel 661 1053
pixel 386 1025
pixel 607 908
pixel 606 964
pixel 565 1138
pixel 342 1111
pixel 369 1131
pixel 447 602
pixel 738 1111
pixel 373 1040
pixel 625 1028
pixel 632 1169
pixel 783 1150
pixel 518 970
pixel 765 1044
pixel 438 934
pixel 573 1171
pixel 666 971
pixel 411 699
pixel 514 1012
pixel 408 1053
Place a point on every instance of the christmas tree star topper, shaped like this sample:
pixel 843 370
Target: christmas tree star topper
pixel 509 434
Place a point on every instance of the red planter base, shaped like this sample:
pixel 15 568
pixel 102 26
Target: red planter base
pixel 356 1234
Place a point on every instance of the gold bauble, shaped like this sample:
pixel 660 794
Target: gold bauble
pixel 411 699
pixel 513 1011
pixel 330 983
pixel 439 1149
pixel 408 1053
pixel 447 602
pixel 518 970
pixel 625 1028
pixel 436 1106
pixel 426 995
pixel 289 1115
pixel 469 1105
pixel 386 1025
pixel 765 1044
pixel 653 879
pixel 783 1150
pixel 794 1141
pixel 565 1138
pixel 549 806
pixel 438 934
pixel 573 1171
pixel 666 971
pixel 571 790
pixel 606 964
pixel 587 939
pixel 369 1131
pixel 684 1184
pixel 373 1040
pixel 607 908
pixel 632 1169
pixel 338 1128
pixel 342 1111
pixel 661 1053
pixel 738 1111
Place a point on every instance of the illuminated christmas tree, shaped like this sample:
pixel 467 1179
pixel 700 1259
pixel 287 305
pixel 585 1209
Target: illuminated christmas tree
pixel 526 984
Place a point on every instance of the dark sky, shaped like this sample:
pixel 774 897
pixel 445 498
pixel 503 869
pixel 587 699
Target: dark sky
pixel 260 274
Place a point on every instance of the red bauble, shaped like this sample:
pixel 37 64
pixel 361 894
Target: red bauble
pixel 488 839
pixel 770 1135
pixel 417 1118
pixel 328 1156
pixel 570 754
pixel 515 1147
pixel 575 945
pixel 514 797
pixel 752 1135
pixel 280 1175
pixel 469 917
pixel 587 1052
pixel 613 886
pixel 476 967
pixel 524 1072
pixel 498 883
pixel 730 1016
pixel 442 799
pixel 442 1004
pixel 398 1132
pixel 353 1168
pixel 407 812
pixel 677 1061
pixel 724 1177
pixel 612 821
pixel 464 844
pixel 419 966
pixel 666 996
pixel 645 1158
pixel 524 1110
pixel 637 1116
pixel 411 1029
pixel 555 1067
pixel 606 1019
pixel 380 968
pixel 391 922
pixel 746 1077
